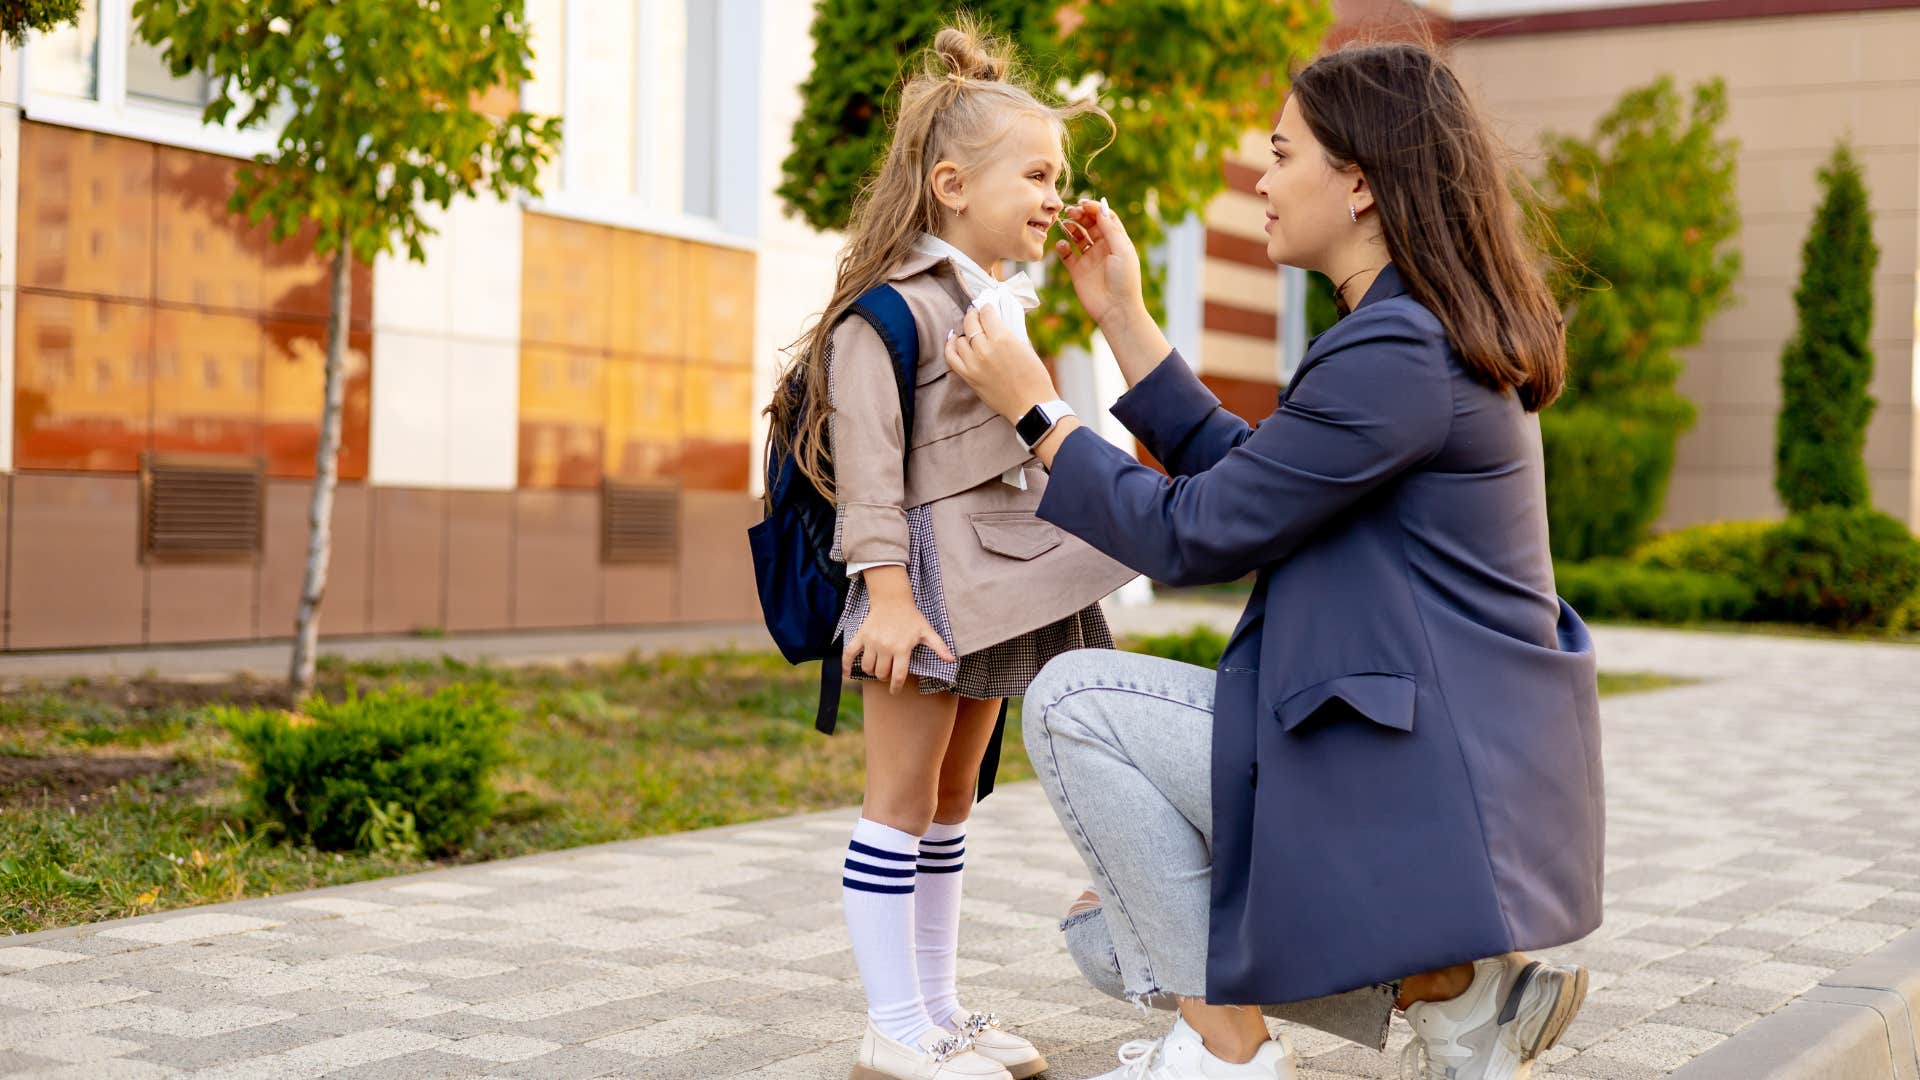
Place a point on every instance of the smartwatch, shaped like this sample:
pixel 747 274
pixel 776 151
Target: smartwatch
pixel 1040 420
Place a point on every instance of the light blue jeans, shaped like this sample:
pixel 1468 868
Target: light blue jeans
pixel 1122 743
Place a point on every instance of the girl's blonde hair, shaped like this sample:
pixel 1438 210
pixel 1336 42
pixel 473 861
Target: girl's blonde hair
pixel 955 109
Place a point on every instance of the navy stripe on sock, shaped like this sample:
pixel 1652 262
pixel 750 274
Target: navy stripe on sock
pixel 867 886
pixel 961 839
pixel 943 854
pixel 879 871
pixel 855 845
pixel 951 868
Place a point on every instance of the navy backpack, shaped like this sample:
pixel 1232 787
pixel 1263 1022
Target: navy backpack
pixel 802 587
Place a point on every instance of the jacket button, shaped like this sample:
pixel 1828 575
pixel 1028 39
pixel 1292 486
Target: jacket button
pixel 1253 775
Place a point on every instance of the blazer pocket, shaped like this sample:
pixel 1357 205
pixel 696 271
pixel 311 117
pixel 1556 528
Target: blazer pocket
pixel 1386 698
pixel 1016 535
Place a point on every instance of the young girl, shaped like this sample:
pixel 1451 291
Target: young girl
pixel 958 594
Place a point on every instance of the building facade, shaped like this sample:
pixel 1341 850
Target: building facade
pixel 549 423
pixel 553 421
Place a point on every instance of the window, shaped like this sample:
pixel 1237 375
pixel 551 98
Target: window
pixel 97 74
pixel 660 100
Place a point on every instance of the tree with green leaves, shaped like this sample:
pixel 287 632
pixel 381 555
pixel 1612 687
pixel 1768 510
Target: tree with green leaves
pixel 17 17
pixel 1183 80
pixel 1827 367
pixel 1646 211
pixel 376 106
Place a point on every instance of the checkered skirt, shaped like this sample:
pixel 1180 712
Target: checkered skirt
pixel 1002 670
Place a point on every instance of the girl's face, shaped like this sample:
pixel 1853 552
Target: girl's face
pixel 1307 198
pixel 1012 197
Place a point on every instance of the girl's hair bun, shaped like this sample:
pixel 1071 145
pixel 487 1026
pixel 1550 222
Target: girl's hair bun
pixel 970 56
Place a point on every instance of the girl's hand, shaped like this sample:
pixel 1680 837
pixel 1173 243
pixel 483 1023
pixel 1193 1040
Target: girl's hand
pixel 893 628
pixel 1102 261
pixel 1001 368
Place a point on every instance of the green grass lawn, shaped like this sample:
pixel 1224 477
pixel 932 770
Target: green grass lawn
pixel 118 798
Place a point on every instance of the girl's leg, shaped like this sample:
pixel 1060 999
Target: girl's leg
pixel 936 899
pixel 906 739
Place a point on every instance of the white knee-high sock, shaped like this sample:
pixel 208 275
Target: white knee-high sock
pixel 936 918
pixel 877 891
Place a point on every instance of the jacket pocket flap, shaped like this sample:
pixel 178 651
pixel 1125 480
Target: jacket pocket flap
pixel 1382 697
pixel 1015 535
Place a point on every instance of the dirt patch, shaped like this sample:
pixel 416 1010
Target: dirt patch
pixel 72 780
pixel 154 694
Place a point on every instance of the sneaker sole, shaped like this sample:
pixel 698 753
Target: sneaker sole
pixel 862 1072
pixel 1545 1000
pixel 1032 1068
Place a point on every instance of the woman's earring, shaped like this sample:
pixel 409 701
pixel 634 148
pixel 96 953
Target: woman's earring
pixel 1353 213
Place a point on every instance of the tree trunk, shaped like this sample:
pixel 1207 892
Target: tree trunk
pixel 326 472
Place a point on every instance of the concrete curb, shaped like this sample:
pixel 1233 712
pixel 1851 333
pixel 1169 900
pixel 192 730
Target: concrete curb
pixel 1858 1024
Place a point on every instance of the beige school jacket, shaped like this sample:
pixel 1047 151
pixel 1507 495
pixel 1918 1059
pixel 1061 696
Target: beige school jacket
pixel 1004 571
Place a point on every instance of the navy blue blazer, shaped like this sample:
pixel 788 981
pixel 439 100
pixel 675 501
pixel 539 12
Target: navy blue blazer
pixel 1406 738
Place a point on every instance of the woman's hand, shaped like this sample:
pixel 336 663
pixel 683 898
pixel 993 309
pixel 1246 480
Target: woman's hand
pixel 1001 368
pixel 893 628
pixel 1101 258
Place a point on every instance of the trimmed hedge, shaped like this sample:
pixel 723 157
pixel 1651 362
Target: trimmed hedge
pixel 1607 476
pixel 1201 645
pixel 1617 589
pixel 1731 548
pixel 1843 567
pixel 327 775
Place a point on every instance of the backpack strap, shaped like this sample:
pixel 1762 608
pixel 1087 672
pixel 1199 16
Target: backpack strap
pixel 886 311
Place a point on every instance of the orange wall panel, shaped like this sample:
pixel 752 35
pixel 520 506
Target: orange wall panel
pixel 86 212
pixel 81 393
pixel 206 382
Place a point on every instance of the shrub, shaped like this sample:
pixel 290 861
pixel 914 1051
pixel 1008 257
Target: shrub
pixel 1844 567
pixel 341 775
pixel 1606 478
pixel 1827 367
pixel 1646 211
pixel 1730 548
pixel 1617 589
pixel 1200 645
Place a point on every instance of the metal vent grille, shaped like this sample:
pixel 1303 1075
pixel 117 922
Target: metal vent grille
pixel 195 508
pixel 639 524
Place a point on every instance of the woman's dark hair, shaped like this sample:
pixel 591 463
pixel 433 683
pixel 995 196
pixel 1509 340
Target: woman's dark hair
pixel 1442 186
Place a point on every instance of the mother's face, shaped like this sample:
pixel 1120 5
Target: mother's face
pixel 1307 198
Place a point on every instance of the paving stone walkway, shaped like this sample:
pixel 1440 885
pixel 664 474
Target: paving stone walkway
pixel 1762 833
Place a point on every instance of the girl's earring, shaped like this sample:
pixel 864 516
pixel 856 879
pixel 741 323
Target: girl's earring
pixel 1353 213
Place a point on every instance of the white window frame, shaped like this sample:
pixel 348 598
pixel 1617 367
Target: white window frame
pixel 112 112
pixel 735 223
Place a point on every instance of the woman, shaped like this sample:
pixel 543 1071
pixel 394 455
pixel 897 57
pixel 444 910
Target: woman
pixel 1392 783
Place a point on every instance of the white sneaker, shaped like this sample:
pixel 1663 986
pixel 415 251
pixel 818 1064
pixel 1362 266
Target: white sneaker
pixel 1508 1016
pixel 940 1056
pixel 1183 1056
pixel 1015 1054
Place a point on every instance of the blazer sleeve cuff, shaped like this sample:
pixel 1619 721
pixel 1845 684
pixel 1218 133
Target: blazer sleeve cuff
pixel 1165 407
pixel 1078 480
pixel 873 533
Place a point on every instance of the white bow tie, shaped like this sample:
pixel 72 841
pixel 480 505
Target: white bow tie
pixel 1010 299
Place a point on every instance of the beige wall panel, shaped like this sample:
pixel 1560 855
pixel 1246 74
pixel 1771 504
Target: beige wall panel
pixel 556 559
pixel 716 567
pixel 1787 181
pixel 636 595
pixel 479 559
pixel 343 608
pixel 1243 286
pixel 200 602
pixel 409 553
pixel 1239 356
pixel 77 578
pixel 1241 215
